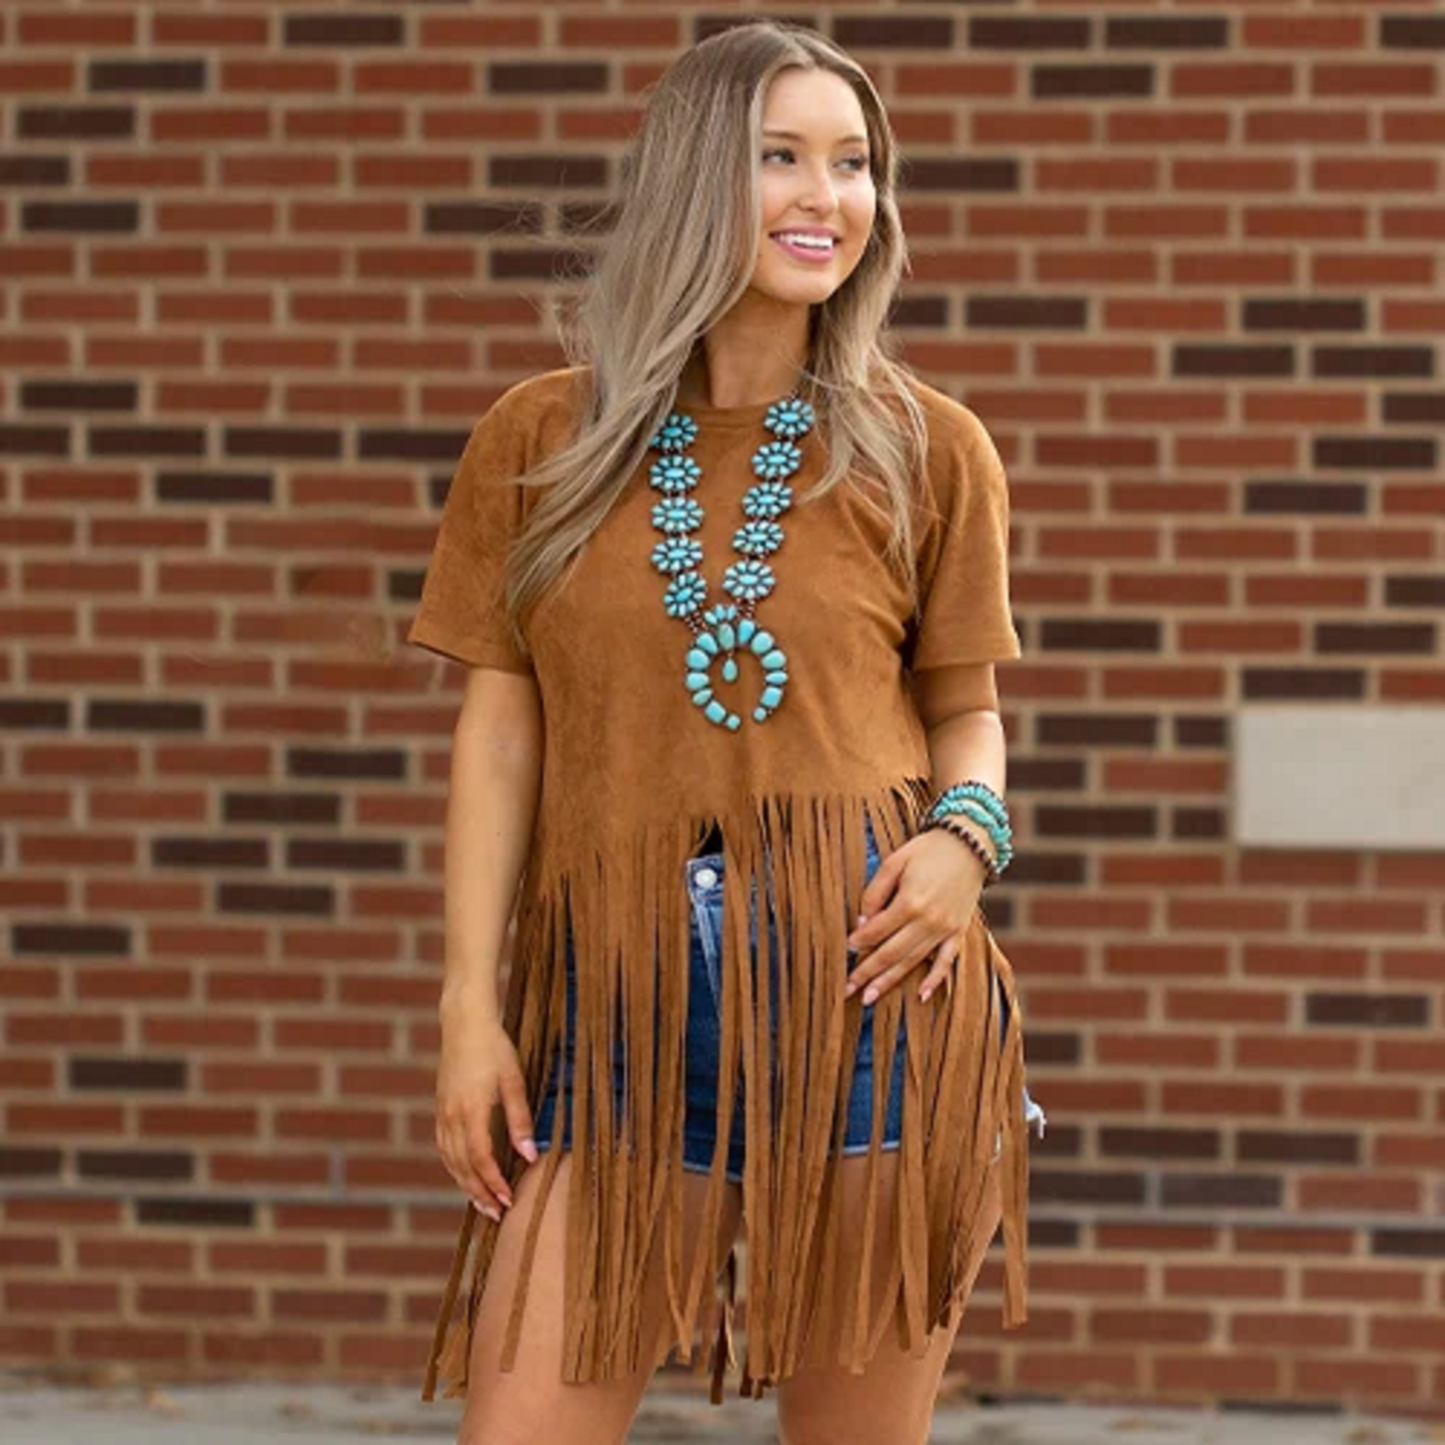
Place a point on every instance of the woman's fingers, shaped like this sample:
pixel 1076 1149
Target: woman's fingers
pixel 943 965
pixel 519 1114
pixel 892 960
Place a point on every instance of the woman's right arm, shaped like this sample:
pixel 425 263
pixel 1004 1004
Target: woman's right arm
pixel 496 773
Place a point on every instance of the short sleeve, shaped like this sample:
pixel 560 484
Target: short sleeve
pixel 963 564
pixel 462 613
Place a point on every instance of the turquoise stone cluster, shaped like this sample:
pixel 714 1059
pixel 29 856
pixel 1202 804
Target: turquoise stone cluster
pixel 720 632
pixel 975 800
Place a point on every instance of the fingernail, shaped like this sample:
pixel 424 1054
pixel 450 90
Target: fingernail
pixel 529 1151
pixel 923 994
pixel 862 919
pixel 849 987
pixel 505 1198
pixel 869 995
pixel 490 1210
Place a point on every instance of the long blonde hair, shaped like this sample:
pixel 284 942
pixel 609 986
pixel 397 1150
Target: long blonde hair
pixel 680 254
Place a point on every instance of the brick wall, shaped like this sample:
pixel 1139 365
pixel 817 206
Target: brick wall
pixel 264 264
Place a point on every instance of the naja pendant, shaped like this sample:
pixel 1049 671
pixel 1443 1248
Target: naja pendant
pixel 724 634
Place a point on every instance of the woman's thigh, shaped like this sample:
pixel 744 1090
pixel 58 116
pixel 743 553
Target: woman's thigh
pixel 893 1398
pixel 530 1402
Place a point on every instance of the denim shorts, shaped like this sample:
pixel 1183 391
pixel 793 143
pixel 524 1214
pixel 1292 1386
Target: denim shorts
pixel 703 1043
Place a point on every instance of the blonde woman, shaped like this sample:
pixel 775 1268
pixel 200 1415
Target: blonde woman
pixel 731 587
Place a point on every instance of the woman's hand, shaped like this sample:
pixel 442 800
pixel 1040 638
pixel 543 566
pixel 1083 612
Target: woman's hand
pixel 479 1066
pixel 935 881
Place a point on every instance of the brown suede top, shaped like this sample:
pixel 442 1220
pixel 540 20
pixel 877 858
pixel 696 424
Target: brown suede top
pixel 633 776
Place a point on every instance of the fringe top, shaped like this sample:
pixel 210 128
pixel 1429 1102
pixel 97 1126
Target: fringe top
pixel 633 777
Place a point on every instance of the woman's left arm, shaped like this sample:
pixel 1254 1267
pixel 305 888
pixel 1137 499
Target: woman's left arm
pixel 924 893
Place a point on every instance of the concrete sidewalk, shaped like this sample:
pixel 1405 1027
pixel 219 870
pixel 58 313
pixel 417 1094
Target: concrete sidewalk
pixel 36 1412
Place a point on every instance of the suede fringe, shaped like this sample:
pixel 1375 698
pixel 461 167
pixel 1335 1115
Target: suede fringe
pixel 807 1290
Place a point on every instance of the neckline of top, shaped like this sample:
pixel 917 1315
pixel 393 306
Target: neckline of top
pixel 753 413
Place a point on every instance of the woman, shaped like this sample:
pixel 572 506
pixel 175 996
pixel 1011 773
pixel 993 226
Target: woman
pixel 752 986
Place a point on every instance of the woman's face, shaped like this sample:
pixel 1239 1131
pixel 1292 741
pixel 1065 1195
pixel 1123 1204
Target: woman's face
pixel 817 178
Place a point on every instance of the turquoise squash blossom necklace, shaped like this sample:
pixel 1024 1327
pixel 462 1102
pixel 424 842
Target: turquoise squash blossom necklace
pixel 720 632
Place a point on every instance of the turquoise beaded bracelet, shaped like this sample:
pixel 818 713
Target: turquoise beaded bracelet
pixel 977 801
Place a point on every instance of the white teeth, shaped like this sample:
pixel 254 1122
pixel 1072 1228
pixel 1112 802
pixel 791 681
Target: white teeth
pixel 818 243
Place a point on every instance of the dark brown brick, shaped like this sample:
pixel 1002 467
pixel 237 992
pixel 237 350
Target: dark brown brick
pixel 1046 1047
pixel 93 940
pixel 894 31
pixel 302 443
pixel 1367 361
pixel 1201 732
pixel 191 852
pixel 135 1164
pixel 44 714
pixel 105 216
pixel 547 171
pixel 1221 1191
pixel 1224 359
pixel 1414 1243
pixel 160 75
pixel 1053 1233
pixel 544 264
pixel 215 489
pixel 125 1074
pixel 281 808
pixel 79 395
pixel 1187 823
pixel 1295 683
pixel 1146 1143
pixel 380 764
pixel 981 175
pixel 1090 730
pixel 548 77
pixel 34 170
pixel 117 714
pixel 226 1213
pixel 1166 32
pixel 1078 82
pixel 1306 498
pixel 1053 1186
pixel 1055 313
pixel 1413 406
pixel 925 312
pixel 378 854
pixel 1269 1146
pixel 34 441
pixel 1368 1010
pixel 1415 591
pixel 1029 32
pixel 1100 634
pixel 146 441
pixel 275 898
pixel 1412 32
pixel 75 122
pixel 395 444
pixel 1372 453
pixel 39 1162
pixel 336 28
pixel 1303 313
pixel 1100 820
pixel 481 218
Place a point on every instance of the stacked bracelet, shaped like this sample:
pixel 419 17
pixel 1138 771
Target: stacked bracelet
pixel 950 825
pixel 977 801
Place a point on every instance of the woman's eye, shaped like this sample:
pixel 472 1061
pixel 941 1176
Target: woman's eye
pixel 857 162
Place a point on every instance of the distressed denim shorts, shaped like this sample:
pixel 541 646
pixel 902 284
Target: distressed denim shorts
pixel 703 1045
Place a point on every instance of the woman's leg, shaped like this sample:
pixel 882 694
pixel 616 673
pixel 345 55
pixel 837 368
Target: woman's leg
pixel 530 1402
pixel 893 1398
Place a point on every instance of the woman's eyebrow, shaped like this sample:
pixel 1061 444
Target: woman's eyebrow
pixel 793 135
